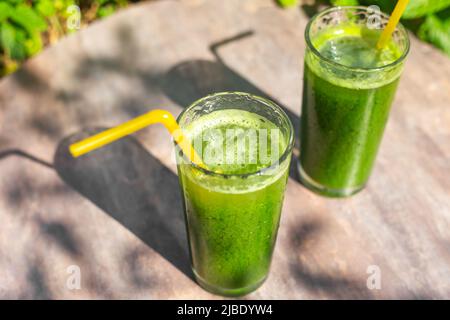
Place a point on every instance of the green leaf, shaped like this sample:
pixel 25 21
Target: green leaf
pixel 345 2
pixel 27 18
pixel 8 37
pixel 14 1
pixel 287 3
pixel 11 42
pixel 33 44
pixel 436 31
pixel 59 4
pixel 46 8
pixel 5 11
pixel 420 8
pixel 105 11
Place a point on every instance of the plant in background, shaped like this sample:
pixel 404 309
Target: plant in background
pixel 93 10
pixel 26 26
pixel 288 3
pixel 436 30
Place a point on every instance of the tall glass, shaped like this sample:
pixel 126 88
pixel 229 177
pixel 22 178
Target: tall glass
pixel 348 89
pixel 232 212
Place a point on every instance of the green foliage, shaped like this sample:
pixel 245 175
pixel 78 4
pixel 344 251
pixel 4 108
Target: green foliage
pixel 287 3
pixel 20 29
pixel 10 41
pixel 22 24
pixel 27 25
pixel 108 7
pixel 46 8
pixel 436 30
pixel 104 8
pixel 421 8
pixel 344 2
pixel 415 8
pixel 28 19
pixel 5 11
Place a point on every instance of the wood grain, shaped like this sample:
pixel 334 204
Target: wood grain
pixel 117 213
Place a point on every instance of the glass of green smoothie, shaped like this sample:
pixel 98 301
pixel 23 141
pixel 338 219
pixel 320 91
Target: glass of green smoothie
pixel 233 207
pixel 348 89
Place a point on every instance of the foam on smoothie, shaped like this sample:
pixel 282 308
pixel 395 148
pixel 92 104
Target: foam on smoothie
pixel 218 122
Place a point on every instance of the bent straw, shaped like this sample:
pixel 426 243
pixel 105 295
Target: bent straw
pixel 155 116
pixel 392 23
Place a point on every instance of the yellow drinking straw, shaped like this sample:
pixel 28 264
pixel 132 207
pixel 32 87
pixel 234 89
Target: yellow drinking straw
pixel 392 23
pixel 155 116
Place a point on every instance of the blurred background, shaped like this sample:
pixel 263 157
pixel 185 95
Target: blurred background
pixel 117 214
pixel 28 26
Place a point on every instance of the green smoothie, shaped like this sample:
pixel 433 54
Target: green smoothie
pixel 232 212
pixel 348 89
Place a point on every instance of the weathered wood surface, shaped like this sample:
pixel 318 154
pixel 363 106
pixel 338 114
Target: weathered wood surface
pixel 117 213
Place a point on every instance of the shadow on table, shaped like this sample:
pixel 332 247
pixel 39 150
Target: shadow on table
pixel 326 283
pixel 134 188
pixel 22 154
pixel 333 286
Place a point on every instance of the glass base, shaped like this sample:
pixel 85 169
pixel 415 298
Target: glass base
pixel 227 292
pixel 316 187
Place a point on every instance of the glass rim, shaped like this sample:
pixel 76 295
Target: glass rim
pixel 258 99
pixel 360 69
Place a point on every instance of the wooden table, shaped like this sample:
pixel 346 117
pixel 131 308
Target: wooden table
pixel 117 214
